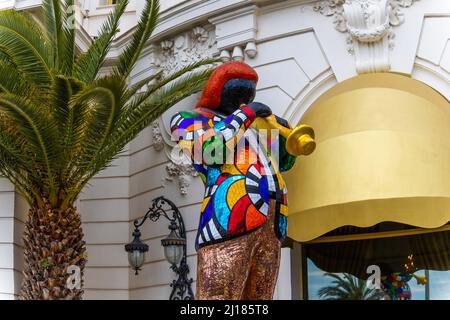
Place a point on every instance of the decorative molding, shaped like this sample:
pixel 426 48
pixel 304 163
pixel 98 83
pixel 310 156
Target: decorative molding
pixel 200 34
pixel 251 50
pixel 236 33
pixel 172 55
pixel 368 24
pixel 166 45
pixel 333 8
pixel 158 141
pixel 238 54
pixel 225 55
pixel 184 172
pixel 186 48
pixel 178 167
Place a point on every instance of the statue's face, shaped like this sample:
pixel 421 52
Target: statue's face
pixel 235 93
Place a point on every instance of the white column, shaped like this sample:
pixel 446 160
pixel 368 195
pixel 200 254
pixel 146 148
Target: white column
pixel 11 247
pixel 283 289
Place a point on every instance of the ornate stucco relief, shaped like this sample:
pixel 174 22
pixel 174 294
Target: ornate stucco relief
pixel 171 55
pixel 186 48
pixel 184 173
pixel 368 24
pixel 158 140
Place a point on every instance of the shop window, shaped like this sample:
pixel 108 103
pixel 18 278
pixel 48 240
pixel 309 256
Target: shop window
pixel 414 266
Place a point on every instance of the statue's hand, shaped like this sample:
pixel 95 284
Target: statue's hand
pixel 260 109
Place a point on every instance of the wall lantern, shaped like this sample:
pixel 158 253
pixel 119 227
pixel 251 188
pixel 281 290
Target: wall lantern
pixel 174 247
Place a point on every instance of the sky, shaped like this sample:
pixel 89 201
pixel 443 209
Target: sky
pixel 439 284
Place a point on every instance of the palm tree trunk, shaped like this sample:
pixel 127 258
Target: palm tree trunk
pixel 54 247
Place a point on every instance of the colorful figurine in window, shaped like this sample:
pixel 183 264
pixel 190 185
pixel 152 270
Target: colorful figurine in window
pixel 395 285
pixel 243 218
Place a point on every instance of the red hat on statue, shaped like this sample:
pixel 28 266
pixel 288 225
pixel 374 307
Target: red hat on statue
pixel 212 93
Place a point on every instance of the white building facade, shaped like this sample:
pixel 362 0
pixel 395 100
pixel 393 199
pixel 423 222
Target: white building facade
pixel 300 49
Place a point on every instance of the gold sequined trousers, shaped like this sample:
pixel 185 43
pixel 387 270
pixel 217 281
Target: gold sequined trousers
pixel 244 268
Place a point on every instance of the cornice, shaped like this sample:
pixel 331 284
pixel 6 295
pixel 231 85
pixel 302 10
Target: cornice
pixel 177 19
pixel 189 14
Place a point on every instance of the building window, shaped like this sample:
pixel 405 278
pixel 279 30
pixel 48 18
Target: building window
pixel 108 2
pixel 330 268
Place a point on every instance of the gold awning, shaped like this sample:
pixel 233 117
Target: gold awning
pixel 383 154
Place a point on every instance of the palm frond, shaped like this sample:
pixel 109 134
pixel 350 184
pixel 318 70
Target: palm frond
pixel 14 149
pixel 89 64
pixel 104 99
pixel 23 44
pixel 11 81
pixel 15 162
pixel 131 92
pixel 133 121
pixel 38 132
pixel 68 52
pixel 348 287
pixel 60 122
pixel 136 118
pixel 134 103
pixel 144 30
pixel 54 28
pixel 64 88
pixel 70 120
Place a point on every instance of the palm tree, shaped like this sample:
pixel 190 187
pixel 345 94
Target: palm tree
pixel 61 123
pixel 348 287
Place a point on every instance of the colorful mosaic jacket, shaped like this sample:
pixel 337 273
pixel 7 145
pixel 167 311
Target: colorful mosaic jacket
pixel 396 286
pixel 237 192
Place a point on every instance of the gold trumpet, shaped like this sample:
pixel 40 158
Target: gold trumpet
pixel 299 141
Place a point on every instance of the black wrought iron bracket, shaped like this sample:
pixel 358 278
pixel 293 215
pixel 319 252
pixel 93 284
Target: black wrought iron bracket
pixel 181 287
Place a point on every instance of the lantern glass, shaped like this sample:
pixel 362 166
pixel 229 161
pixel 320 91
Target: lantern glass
pixel 173 253
pixel 136 259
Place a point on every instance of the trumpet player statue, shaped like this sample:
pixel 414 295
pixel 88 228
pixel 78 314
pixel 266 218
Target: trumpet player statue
pixel 231 142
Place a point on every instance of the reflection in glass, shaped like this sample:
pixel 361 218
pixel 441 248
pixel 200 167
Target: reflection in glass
pixel 421 261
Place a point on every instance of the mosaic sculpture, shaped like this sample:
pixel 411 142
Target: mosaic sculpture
pixel 395 285
pixel 232 144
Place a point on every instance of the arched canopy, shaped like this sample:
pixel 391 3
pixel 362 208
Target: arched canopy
pixel 383 154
